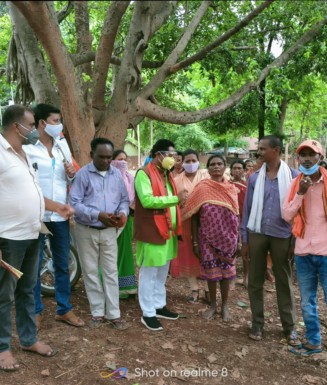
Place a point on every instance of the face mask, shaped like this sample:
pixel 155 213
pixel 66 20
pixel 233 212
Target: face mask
pixel 122 165
pixel 32 137
pixel 53 130
pixel 309 171
pixel 190 168
pixel 167 162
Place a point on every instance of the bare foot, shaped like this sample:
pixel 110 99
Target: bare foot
pixel 209 313
pixel 226 314
pixel 40 348
pixel 8 362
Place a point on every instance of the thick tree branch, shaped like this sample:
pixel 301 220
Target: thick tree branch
pixel 104 51
pixel 227 35
pixel 63 13
pixel 148 17
pixel 176 52
pixel 83 34
pixel 69 87
pixel 152 111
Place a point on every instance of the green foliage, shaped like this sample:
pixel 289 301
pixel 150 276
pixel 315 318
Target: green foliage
pixel 222 71
pixel 5 34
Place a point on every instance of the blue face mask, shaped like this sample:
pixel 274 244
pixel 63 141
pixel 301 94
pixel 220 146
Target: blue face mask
pixel 309 171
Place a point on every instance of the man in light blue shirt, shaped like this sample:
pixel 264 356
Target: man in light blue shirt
pixel 101 204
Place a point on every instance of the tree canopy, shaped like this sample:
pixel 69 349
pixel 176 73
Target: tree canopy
pixel 110 64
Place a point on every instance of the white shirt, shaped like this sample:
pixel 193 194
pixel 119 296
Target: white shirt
pixel 51 173
pixel 21 200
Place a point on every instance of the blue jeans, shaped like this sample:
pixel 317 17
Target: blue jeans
pixel 311 269
pixel 59 245
pixel 23 255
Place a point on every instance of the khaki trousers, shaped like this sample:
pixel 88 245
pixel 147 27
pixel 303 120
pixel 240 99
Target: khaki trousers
pixel 98 248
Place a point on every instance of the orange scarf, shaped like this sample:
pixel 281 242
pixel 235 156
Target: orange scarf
pixel 299 222
pixel 208 191
pixel 164 222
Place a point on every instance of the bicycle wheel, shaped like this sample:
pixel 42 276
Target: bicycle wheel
pixel 47 270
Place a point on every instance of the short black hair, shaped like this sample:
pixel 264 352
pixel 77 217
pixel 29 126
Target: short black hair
pixel 179 153
pixel 215 156
pixel 238 162
pixel 42 111
pixel 13 114
pixel 118 152
pixel 190 151
pixel 161 145
pixel 274 141
pixel 250 160
pixel 96 141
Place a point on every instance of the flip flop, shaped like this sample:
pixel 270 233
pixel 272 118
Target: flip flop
pixel 71 319
pixel 304 351
pixel 119 324
pixel 209 314
pixel 255 335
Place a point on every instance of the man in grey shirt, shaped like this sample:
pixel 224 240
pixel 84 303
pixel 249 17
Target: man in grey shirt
pixel 264 230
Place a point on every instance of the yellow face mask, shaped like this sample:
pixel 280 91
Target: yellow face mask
pixel 168 163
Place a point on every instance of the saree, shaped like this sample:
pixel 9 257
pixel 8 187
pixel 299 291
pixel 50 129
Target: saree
pixel 125 260
pixel 217 207
pixel 186 264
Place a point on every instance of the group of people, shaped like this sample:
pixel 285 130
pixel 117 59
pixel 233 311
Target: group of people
pixel 189 222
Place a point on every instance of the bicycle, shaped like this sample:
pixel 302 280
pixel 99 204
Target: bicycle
pixel 47 269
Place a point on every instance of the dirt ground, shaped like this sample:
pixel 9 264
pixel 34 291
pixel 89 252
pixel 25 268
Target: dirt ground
pixel 190 350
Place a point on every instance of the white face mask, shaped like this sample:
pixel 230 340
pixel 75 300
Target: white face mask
pixel 190 168
pixel 122 165
pixel 53 130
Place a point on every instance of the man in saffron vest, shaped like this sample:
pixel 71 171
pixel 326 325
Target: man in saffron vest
pixel 306 208
pixel 157 225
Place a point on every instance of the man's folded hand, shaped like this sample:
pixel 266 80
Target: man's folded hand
pixel 121 220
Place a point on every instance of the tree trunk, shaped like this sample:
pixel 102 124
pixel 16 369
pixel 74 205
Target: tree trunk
pixel 262 109
pixel 32 74
pixel 282 116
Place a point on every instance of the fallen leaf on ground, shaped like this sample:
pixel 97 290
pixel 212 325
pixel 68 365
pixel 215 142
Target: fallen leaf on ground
pixel 235 326
pixel 167 345
pixel 110 356
pixel 111 365
pixel 212 358
pixel 311 379
pixel 192 348
pixel 242 304
pixel 45 373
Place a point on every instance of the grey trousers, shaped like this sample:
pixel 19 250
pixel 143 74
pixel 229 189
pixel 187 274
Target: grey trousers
pixel 259 246
pixel 24 256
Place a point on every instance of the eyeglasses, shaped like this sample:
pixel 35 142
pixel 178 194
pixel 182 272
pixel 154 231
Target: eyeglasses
pixel 172 154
